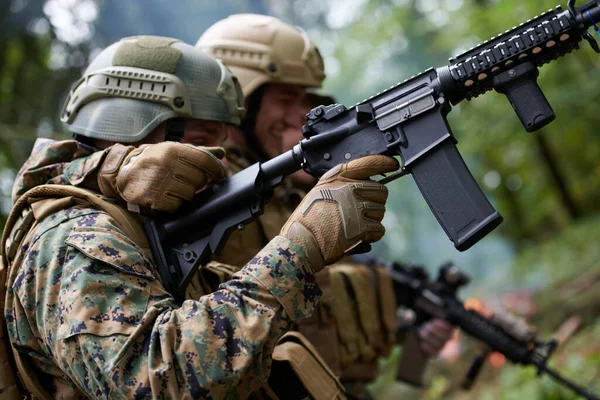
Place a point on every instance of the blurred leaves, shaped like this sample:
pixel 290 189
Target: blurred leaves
pixel 46 44
pixel 368 46
pixel 565 271
pixel 540 182
pixel 397 39
pixel 376 44
pixel 577 360
pixel 31 87
pixel 522 173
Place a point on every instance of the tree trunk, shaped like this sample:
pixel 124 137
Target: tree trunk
pixel 515 211
pixel 557 176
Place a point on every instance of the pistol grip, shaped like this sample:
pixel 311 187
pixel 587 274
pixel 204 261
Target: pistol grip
pixel 413 361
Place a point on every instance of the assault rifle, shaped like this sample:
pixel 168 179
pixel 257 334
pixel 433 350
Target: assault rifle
pixel 438 299
pixel 408 120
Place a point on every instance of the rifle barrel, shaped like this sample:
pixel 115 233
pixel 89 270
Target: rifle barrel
pixel 571 385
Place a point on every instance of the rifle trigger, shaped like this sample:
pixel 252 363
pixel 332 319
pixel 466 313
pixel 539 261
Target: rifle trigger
pixel 359 248
pixel 393 177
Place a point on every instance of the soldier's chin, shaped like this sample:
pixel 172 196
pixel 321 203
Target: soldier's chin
pixel 278 133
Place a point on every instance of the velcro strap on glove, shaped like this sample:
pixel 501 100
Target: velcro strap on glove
pixel 107 177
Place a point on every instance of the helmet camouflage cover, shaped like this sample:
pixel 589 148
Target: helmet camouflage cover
pixel 139 82
pixel 262 49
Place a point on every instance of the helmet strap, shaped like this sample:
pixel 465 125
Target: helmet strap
pixel 175 129
pixel 85 140
pixel 248 125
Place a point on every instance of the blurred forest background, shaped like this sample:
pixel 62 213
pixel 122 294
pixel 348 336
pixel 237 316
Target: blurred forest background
pixel 544 260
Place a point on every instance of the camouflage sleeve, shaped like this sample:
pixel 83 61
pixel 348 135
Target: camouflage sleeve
pixel 58 162
pixel 103 316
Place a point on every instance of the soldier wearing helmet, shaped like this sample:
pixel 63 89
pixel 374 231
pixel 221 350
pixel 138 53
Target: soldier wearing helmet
pixel 277 66
pixel 125 93
pixel 85 311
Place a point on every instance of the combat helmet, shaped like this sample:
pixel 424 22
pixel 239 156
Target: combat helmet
pixel 139 82
pixel 262 49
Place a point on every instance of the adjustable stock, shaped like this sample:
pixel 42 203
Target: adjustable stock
pixel 181 243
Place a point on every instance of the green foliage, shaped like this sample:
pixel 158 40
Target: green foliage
pixel 565 269
pixel 578 360
pixel 32 88
pixel 531 178
pixel 379 44
pixel 401 38
pixel 568 254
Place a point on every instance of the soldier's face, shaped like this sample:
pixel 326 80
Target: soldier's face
pixel 197 132
pixel 290 137
pixel 280 109
pixel 205 133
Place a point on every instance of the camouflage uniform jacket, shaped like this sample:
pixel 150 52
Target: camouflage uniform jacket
pixel 86 308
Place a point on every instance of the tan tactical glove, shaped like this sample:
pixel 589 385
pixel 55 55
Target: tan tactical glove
pixel 343 209
pixel 159 176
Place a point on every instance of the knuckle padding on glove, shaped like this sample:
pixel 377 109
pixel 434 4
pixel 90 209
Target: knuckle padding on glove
pixel 159 176
pixel 372 191
pixel 180 189
pixel 204 160
pixel 351 215
pixel 374 232
pixel 373 211
pixel 189 175
pixel 341 211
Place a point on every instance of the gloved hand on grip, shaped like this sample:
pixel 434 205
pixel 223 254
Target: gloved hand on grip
pixel 159 176
pixel 434 335
pixel 343 209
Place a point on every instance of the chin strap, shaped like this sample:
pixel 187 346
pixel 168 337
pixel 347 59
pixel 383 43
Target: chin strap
pixel 84 139
pixel 248 126
pixel 175 129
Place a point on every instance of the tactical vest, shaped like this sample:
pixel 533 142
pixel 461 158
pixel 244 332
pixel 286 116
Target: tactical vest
pixel 364 308
pixel 16 377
